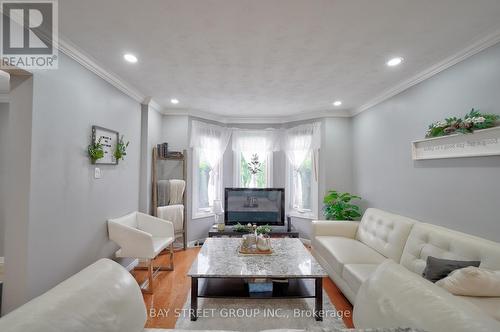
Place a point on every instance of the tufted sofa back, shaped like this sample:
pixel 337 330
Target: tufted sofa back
pixel 384 232
pixel 430 240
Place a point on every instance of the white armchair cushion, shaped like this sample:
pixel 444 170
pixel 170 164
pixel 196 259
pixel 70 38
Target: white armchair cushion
pixel 140 235
pixel 155 226
pixel 132 241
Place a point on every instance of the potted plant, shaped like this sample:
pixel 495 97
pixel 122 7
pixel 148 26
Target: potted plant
pixel 264 229
pixel 338 206
pixel 95 151
pixel 121 149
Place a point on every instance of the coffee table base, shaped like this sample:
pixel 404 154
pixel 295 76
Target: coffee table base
pixel 235 288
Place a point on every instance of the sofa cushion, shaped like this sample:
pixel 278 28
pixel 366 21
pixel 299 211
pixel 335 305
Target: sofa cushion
pixel 472 281
pixel 430 240
pixel 356 274
pixel 384 232
pixel 489 305
pixel 439 268
pixel 338 251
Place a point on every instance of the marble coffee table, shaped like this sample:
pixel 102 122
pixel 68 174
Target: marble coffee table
pixel 220 271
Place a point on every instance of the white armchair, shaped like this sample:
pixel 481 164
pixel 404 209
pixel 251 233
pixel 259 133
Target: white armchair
pixel 144 237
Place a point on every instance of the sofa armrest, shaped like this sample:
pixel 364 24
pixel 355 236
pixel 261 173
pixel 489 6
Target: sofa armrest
pixel 155 226
pixel 132 241
pixel 334 228
pixel 394 296
pixel 102 297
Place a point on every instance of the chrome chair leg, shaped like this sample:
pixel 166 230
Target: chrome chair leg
pixel 147 286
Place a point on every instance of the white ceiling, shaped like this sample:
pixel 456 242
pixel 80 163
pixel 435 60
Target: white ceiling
pixel 272 58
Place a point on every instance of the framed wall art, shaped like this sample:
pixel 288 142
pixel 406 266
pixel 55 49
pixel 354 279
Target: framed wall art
pixel 108 138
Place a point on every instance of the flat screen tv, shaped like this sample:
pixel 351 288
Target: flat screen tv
pixel 261 206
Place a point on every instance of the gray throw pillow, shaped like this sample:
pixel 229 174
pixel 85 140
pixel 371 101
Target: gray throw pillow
pixel 438 268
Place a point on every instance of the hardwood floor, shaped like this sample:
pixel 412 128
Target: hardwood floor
pixel 172 288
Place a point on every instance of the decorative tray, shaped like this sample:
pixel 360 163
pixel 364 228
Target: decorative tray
pixel 254 251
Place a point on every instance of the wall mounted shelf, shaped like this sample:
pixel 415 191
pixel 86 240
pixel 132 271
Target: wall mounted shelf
pixel 485 142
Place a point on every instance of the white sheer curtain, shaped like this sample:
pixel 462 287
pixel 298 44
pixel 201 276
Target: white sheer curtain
pixel 260 142
pixel 211 142
pixel 298 143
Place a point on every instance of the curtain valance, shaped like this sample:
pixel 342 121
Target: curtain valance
pixel 267 140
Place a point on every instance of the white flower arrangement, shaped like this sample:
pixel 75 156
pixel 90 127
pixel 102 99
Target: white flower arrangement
pixel 478 119
pixel 440 124
pixel 474 120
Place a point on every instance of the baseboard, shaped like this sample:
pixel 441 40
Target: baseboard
pixel 132 265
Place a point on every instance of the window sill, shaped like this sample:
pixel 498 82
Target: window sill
pixel 202 215
pixel 303 215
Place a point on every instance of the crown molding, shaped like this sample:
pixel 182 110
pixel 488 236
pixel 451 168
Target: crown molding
pixel 464 54
pixel 71 50
pixel 257 120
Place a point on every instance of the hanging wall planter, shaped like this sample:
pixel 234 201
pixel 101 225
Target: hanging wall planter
pixel 121 149
pixel 95 151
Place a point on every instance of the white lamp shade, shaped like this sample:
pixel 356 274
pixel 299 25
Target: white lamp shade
pixel 217 207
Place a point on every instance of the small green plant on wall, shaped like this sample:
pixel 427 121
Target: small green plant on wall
pixel 474 120
pixel 121 149
pixel 338 206
pixel 95 151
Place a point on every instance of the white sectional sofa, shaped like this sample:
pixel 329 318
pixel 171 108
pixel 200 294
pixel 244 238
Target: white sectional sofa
pixel 104 297
pixel 352 253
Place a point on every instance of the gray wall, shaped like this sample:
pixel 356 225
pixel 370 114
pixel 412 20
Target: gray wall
pixel 68 208
pixel 17 201
pixel 4 121
pixel 461 194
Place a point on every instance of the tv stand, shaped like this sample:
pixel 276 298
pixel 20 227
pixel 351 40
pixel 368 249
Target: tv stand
pixel 277 232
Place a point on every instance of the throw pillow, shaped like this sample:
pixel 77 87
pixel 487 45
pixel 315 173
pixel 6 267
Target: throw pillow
pixel 438 268
pixel 472 281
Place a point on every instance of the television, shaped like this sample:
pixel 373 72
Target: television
pixel 261 206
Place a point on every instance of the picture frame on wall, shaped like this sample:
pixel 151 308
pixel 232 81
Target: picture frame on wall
pixel 109 139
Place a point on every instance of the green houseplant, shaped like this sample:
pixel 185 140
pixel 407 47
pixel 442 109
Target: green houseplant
pixel 338 206
pixel 241 228
pixel 121 149
pixel 95 151
pixel 264 229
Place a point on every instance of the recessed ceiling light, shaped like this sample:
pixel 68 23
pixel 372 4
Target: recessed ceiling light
pixel 130 58
pixel 395 61
pixel 337 103
pixel 174 101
